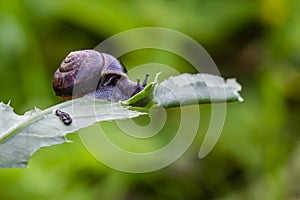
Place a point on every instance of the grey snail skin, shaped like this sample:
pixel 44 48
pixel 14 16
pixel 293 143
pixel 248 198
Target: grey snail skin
pixel 94 74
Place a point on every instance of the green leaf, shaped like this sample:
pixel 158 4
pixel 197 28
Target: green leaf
pixel 21 136
pixel 144 99
pixel 186 89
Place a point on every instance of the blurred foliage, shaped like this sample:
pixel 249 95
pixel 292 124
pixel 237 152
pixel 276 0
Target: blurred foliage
pixel 257 156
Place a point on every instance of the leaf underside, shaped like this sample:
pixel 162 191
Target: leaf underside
pixel 22 135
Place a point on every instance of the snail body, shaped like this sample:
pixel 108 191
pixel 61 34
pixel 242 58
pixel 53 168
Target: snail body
pixel 94 74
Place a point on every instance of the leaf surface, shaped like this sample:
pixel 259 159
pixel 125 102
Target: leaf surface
pixel 186 89
pixel 21 136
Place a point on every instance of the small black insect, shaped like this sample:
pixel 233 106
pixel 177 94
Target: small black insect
pixel 64 117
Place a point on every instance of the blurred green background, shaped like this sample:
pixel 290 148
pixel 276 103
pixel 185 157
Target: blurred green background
pixel 258 42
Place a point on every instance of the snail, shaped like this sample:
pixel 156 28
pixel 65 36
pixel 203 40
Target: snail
pixel 94 74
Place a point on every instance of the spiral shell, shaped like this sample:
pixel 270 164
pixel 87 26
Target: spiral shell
pixel 81 72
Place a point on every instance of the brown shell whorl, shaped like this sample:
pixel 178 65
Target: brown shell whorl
pixel 73 60
pixel 78 74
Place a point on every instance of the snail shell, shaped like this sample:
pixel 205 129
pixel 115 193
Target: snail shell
pixel 99 75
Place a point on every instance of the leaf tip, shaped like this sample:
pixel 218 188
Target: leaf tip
pixel 240 99
pixel 237 88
